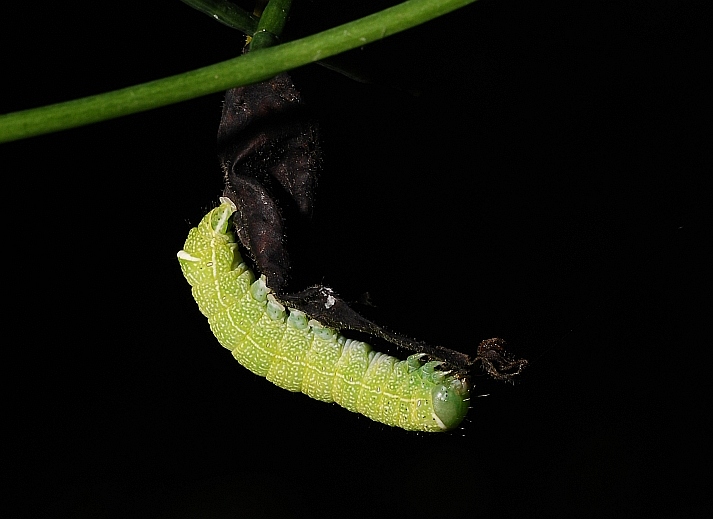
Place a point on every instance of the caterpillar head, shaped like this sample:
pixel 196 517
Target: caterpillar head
pixel 450 402
pixel 210 248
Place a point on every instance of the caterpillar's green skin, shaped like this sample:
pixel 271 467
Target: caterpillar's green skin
pixel 302 355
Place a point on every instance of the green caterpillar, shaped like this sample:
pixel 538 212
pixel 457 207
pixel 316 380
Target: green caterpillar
pixel 298 354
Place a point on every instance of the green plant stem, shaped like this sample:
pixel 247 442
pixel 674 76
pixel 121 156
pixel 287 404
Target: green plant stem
pixel 272 21
pixel 249 68
pixel 234 17
pixel 226 13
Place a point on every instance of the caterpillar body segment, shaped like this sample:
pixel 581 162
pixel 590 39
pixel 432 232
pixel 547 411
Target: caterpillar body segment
pixel 299 354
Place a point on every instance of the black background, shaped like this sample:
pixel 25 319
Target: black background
pixel 549 185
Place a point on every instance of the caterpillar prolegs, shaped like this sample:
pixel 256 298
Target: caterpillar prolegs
pixel 298 354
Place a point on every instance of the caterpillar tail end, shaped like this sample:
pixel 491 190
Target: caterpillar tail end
pixel 221 221
pixel 210 249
